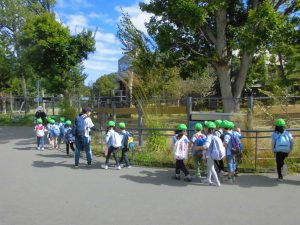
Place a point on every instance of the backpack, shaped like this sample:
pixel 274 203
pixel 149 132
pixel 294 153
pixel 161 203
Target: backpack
pixel 116 140
pixel 282 143
pixel 180 149
pixel 79 126
pixel 40 130
pixel 130 143
pixel 217 149
pixel 221 135
pixel 235 143
pixel 69 136
pixel 62 130
pixel 55 131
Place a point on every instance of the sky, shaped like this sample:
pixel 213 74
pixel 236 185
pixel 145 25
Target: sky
pixel 101 16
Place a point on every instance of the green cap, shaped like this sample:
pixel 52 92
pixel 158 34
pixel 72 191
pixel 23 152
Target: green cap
pixel 231 125
pixel 111 123
pixel 280 123
pixel 62 119
pixel 182 127
pixel 49 119
pixel 39 121
pixel 225 124
pixel 68 122
pixel 52 121
pixel 198 126
pixel 53 117
pixel 218 123
pixel 211 125
pixel 122 125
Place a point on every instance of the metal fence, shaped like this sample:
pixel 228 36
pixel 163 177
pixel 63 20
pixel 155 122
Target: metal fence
pixel 257 153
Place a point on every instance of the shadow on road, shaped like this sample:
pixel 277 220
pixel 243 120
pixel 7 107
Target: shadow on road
pixel 163 177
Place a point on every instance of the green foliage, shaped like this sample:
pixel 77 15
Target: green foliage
pixel 156 142
pixel 68 111
pixel 54 53
pixel 104 85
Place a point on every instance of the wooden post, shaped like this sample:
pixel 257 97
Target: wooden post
pixel 140 124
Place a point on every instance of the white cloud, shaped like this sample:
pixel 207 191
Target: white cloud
pixel 74 4
pixel 75 22
pixel 138 17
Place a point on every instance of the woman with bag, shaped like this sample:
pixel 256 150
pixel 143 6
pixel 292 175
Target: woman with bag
pixel 180 147
pixel 282 144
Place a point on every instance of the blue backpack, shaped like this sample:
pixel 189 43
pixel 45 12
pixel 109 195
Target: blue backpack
pixel 282 143
pixel 55 131
pixel 79 126
pixel 236 144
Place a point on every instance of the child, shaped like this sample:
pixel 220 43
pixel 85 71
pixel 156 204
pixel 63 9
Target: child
pixel 228 144
pixel 69 137
pixel 61 131
pixel 282 145
pixel 209 130
pixel 197 154
pixel 237 133
pixel 49 137
pixel 40 133
pixel 113 142
pixel 181 143
pixel 219 133
pixel 124 136
pixel 54 133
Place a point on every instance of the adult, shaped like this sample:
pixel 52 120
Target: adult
pixel 282 144
pixel 82 132
pixel 40 114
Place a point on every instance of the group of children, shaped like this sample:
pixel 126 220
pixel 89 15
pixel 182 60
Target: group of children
pixel 211 142
pixel 57 133
pixel 214 140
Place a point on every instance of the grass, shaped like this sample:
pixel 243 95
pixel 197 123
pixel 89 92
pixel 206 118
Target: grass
pixel 10 120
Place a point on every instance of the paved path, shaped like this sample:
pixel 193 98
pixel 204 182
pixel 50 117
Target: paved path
pixel 43 188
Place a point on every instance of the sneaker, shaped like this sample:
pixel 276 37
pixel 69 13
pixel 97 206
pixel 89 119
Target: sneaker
pixel 122 165
pixel 104 167
pixel 38 148
pixel 76 166
pixel 43 149
pixel 284 170
pixel 128 167
pixel 118 167
pixel 89 165
pixel 280 179
pixel 176 177
pixel 188 178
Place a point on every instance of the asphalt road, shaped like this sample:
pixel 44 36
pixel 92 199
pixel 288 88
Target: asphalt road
pixel 43 188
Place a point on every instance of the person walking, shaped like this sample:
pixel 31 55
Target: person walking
pixel 69 137
pixel 180 145
pixel 208 147
pixel 40 134
pixel 113 141
pixel 82 130
pixel 197 155
pixel 282 145
pixel 124 136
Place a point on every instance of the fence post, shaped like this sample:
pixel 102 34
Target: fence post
pixel 113 106
pixel 256 149
pixel 189 108
pixel 249 112
pixel 52 101
pixel 140 123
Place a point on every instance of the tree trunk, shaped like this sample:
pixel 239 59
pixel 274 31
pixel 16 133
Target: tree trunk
pixel 24 90
pixel 11 100
pixel 239 82
pixel 223 72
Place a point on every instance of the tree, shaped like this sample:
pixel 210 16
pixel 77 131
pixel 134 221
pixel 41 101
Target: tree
pixel 104 85
pixel 14 13
pixel 216 31
pixel 54 54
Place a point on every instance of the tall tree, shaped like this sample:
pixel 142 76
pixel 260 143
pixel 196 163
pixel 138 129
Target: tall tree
pixel 216 31
pixel 54 53
pixel 14 13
